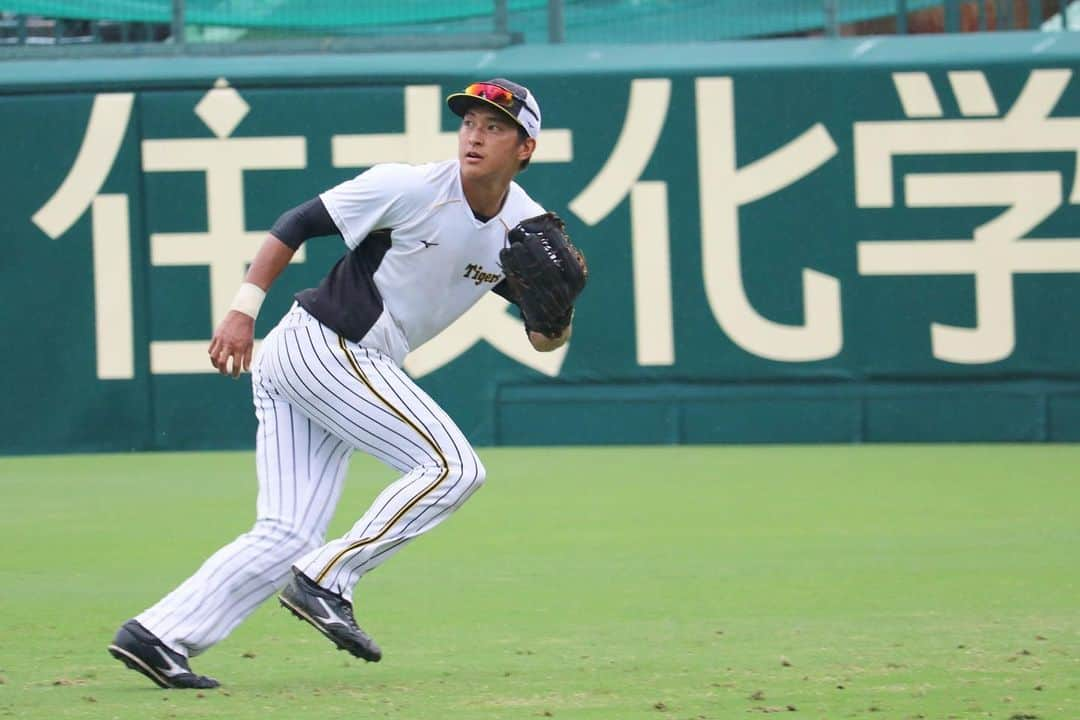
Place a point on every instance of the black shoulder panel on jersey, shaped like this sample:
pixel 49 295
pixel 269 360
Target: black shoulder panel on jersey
pixel 307 220
pixel 347 300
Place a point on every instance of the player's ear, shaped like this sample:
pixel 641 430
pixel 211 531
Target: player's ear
pixel 526 148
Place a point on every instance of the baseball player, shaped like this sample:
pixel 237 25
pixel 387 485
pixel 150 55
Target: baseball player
pixel 424 244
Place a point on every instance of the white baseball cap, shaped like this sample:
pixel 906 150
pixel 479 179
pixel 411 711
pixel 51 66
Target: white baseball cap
pixel 509 97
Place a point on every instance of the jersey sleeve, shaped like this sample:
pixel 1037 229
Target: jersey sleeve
pixel 523 205
pixel 373 200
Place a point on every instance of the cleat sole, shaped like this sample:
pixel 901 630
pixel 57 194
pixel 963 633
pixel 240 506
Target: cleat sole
pixel 138 666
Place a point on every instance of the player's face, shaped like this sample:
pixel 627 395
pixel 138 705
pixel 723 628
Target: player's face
pixel 489 145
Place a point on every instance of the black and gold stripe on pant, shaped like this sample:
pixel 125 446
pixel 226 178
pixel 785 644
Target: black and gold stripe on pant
pixel 412 503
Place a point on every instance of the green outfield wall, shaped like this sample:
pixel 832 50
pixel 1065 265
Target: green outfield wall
pixel 853 240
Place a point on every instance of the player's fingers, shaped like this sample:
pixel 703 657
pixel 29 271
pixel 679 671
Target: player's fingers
pixel 247 358
pixel 221 360
pixel 225 351
pixel 237 358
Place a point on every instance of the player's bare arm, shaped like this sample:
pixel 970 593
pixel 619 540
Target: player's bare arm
pixel 231 347
pixel 233 341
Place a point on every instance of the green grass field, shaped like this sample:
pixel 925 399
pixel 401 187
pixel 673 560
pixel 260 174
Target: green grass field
pixel 621 583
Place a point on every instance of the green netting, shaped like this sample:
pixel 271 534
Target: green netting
pixel 132 10
pixel 597 21
pixel 689 20
pixel 585 20
pixel 271 13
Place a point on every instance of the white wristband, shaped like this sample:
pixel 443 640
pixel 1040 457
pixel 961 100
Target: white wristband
pixel 249 298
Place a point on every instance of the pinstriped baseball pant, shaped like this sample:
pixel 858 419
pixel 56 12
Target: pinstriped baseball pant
pixel 318 398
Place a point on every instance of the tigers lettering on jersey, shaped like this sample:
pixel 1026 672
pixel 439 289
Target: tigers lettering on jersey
pixel 476 273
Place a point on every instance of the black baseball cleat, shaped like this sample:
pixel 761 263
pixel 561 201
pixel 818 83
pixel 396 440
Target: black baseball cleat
pixel 331 615
pixel 142 651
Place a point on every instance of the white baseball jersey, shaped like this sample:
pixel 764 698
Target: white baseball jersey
pixel 418 256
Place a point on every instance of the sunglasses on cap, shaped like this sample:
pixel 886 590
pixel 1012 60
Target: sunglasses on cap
pixel 498 95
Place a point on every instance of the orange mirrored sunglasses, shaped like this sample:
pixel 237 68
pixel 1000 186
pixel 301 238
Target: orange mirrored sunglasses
pixel 498 95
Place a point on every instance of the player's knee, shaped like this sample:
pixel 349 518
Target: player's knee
pixel 471 473
pixel 481 472
pixel 464 476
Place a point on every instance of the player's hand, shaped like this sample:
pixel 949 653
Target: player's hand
pixel 543 343
pixel 230 350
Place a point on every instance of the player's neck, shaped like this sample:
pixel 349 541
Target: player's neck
pixel 485 198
